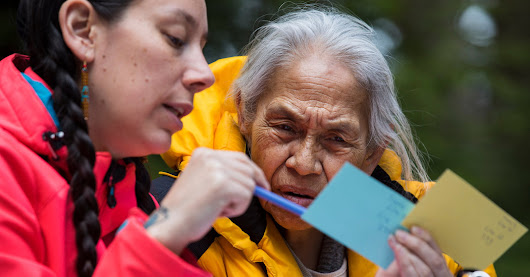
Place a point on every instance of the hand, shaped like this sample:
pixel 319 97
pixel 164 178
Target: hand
pixel 215 183
pixel 416 254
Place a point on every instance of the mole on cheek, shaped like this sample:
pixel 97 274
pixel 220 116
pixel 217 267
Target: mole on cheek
pixel 147 80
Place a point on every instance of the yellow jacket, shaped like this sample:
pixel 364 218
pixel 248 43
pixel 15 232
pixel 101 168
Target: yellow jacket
pixel 251 244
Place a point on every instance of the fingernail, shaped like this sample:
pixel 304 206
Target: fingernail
pixel 416 230
pixel 392 240
pixel 401 235
pixel 394 244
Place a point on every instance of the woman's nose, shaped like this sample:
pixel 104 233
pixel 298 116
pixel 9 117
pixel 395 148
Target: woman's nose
pixel 305 159
pixel 198 76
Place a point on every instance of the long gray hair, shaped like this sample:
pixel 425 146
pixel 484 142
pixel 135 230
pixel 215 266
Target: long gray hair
pixel 348 40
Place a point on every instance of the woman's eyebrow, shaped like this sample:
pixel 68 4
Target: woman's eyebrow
pixel 342 126
pixel 182 15
pixel 284 111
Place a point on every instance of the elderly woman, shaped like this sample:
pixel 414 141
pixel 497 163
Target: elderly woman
pixel 313 94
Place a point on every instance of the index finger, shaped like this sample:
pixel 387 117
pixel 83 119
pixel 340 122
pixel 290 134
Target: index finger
pixel 425 236
pixel 259 176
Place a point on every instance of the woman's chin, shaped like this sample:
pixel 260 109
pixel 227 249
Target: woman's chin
pixel 151 146
pixel 159 144
pixel 286 219
pixel 159 149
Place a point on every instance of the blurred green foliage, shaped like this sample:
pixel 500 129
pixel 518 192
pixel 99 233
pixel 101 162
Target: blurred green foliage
pixel 467 100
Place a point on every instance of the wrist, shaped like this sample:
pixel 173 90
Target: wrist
pixel 165 227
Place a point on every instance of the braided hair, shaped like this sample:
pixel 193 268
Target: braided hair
pixel 54 62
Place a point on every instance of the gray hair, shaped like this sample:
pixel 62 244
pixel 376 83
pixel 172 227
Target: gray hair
pixel 348 40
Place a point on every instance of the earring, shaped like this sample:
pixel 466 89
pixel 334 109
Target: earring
pixel 84 91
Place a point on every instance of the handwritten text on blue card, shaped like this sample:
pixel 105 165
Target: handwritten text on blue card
pixel 359 212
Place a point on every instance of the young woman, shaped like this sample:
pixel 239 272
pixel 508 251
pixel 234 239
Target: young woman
pixel 106 82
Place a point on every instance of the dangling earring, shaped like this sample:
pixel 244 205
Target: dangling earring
pixel 84 91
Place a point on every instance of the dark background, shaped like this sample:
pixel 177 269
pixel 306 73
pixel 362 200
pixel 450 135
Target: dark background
pixel 462 74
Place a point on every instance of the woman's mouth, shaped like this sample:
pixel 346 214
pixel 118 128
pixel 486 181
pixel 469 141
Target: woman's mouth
pixel 175 116
pixel 177 111
pixel 298 197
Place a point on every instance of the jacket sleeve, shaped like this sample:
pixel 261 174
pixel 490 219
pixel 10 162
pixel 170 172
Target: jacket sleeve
pixel 22 249
pixel 134 253
pixel 25 252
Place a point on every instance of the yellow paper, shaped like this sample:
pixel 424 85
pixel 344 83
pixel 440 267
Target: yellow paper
pixel 467 226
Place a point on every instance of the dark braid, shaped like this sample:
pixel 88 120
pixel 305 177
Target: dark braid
pixel 56 65
pixel 51 59
pixel 118 169
pixel 143 185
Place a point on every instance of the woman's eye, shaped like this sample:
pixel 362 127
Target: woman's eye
pixel 338 139
pixel 176 42
pixel 284 127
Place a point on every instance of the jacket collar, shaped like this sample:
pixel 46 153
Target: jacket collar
pixel 23 114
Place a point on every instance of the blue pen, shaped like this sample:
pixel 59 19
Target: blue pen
pixel 279 201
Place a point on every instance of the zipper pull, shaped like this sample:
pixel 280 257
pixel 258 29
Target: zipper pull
pixel 54 142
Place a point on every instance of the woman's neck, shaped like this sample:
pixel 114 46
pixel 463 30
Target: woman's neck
pixel 306 245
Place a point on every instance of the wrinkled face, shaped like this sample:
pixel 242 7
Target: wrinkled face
pixel 312 119
pixel 147 66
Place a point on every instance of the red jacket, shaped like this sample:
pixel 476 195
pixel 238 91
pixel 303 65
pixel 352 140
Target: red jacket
pixel 37 236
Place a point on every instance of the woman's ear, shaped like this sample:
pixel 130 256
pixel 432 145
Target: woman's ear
pixel 77 19
pixel 240 119
pixel 373 156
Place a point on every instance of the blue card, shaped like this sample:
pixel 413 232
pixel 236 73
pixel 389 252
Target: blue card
pixel 359 212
